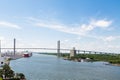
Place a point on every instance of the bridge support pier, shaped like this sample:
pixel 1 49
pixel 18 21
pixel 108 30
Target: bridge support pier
pixel 84 52
pixel 58 49
pixel 14 46
pixel 0 46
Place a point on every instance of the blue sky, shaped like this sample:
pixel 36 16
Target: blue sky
pixel 84 24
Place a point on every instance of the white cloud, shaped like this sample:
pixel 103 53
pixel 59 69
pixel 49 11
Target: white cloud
pixel 8 24
pixel 94 24
pixel 113 46
pixel 101 23
pixel 78 30
pixel 109 38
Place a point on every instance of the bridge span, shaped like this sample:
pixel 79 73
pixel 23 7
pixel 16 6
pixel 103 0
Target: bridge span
pixel 58 50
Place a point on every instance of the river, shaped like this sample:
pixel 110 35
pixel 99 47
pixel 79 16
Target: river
pixel 49 67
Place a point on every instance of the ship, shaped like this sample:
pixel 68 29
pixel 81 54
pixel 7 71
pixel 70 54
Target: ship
pixel 27 54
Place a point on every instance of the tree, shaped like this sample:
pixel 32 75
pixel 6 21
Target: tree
pixel 1 72
pixel 7 72
pixel 20 75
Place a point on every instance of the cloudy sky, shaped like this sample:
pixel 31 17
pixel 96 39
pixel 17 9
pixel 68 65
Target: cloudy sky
pixel 84 24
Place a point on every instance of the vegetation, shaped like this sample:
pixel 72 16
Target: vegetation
pixel 20 75
pixel 1 78
pixel 6 73
pixel 111 58
pixel 115 61
pixel 48 53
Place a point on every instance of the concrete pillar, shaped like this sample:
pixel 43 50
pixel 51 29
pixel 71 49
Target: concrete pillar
pixel 95 52
pixel 84 52
pixel 90 52
pixel 58 48
pixel 0 49
pixel 0 46
pixel 72 52
pixel 14 46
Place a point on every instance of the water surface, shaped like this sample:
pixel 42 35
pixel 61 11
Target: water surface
pixel 49 67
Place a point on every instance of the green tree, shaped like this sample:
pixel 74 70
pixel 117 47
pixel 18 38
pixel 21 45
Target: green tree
pixel 1 72
pixel 7 72
pixel 21 75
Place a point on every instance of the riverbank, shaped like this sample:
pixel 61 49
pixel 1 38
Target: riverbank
pixel 113 59
pixel 8 57
pixel 17 55
pixel 11 56
pixel 116 65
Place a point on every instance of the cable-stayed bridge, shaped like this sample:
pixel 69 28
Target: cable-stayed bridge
pixel 58 50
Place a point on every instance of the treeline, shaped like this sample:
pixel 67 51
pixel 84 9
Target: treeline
pixel 48 53
pixel 112 58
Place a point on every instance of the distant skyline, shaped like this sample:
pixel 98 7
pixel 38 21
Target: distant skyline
pixel 84 24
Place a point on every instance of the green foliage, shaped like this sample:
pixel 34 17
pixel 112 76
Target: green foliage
pixel 48 53
pixel 13 79
pixel 7 71
pixel 1 78
pixel 115 61
pixel 1 72
pixel 112 58
pixel 100 57
pixel 65 55
pixel 21 75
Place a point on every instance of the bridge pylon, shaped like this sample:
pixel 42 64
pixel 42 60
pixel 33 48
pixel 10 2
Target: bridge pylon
pixel 58 49
pixel 14 47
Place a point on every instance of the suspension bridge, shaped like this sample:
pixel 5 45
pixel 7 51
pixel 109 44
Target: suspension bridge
pixel 58 49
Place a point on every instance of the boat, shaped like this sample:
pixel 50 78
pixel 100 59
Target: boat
pixel 27 54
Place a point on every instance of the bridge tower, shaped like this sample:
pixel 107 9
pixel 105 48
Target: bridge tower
pixel 72 52
pixel 0 46
pixel 58 49
pixel 14 46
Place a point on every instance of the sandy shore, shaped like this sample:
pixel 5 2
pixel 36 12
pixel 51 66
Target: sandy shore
pixel 116 65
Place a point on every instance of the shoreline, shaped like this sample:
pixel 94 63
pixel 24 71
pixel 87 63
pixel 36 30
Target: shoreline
pixel 14 57
pixel 116 65
pixel 79 60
